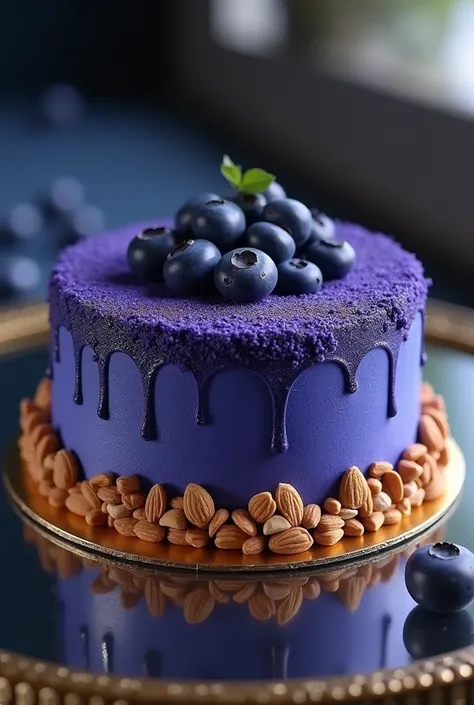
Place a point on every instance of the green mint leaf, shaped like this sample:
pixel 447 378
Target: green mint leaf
pixel 231 172
pixel 256 181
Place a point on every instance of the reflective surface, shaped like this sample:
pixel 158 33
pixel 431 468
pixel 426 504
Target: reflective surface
pixel 64 607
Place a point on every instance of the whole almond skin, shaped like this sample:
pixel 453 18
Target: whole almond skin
pixel 275 524
pixel 104 479
pixel 177 537
pixel 90 495
pixel 48 444
pixel 254 545
pixel 353 528
pixel 289 503
pixel 77 504
pixel 435 488
pixel 428 470
pixel 197 537
pixel 289 607
pixel 417 499
pixel 430 434
pixel 332 506
pixel 353 489
pixel 125 527
pixel 404 507
pixel 134 500
pixel 127 484
pixel 198 505
pixel 155 599
pixel 174 519
pixel 198 605
pixel 441 421
pixel 311 516
pixel 146 531
pixel 375 485
pixel 111 495
pixel 261 507
pixel 291 542
pixel 409 470
pixel 42 397
pixel 139 514
pixel 219 595
pixel 45 487
pixel 57 497
pixel 66 469
pixel 155 505
pixel 94 517
pixel 39 432
pixel 392 516
pixel 414 452
pixel 219 518
pixel 33 419
pixel 392 484
pixel 244 521
pixel 244 593
pixel 176 503
pixel 329 522
pixel 378 469
pixel 374 522
pixel 409 489
pixel 328 538
pixel 260 606
pixel 230 537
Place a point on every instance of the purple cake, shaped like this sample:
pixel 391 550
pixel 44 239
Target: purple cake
pixel 237 397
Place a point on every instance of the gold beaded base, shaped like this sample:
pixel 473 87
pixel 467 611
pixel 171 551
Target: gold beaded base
pixel 24 495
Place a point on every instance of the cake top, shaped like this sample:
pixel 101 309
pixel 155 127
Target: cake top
pixel 92 284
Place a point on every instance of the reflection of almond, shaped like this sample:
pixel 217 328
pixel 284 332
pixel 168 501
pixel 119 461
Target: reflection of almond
pixel 198 605
pixel 219 518
pixel 261 607
pixel 230 537
pixel 155 599
pixel 353 489
pixel 198 505
pixel 174 519
pixel 311 516
pixel 429 468
pixel 146 531
pixel 261 507
pixel 392 484
pixel 276 591
pixel 139 514
pixel 254 545
pixel 244 593
pixel 155 505
pixel 275 524
pixel 244 521
pixel 328 538
pixel 291 542
pixel 351 592
pixel 289 607
pixel 289 503
pixel 219 595
pixel 312 590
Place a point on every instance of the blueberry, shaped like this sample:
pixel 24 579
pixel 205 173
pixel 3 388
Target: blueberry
pixel 184 215
pixel 335 259
pixel 274 192
pixel 297 276
pixel 246 275
pixel 427 634
pixel 65 196
pixel 292 216
pixel 147 252
pixel 189 267
pixel 440 577
pixel 272 239
pixel 252 205
pixel 322 227
pixel 24 222
pixel 221 222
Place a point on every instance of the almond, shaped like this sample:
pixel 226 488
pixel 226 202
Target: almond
pixel 244 521
pixel 39 432
pixel 429 433
pixel 374 522
pixel 392 484
pixel 404 507
pixel 198 605
pixel 27 407
pixel 128 484
pixel 276 591
pixel 254 545
pixel 78 504
pixel 94 517
pixel 49 462
pixel 103 508
pixel 198 505
pixel 177 537
pixel 443 457
pixel 311 516
pixel 155 505
pixel 261 507
pixel 174 519
pixel 409 489
pixel 417 499
pixel 392 516
pixel 219 518
pixel 439 417
pixel 353 528
pixel 426 392
pixel 375 486
pixel 42 397
pixel 244 593
pixel 230 537
pixel 45 487
pixel 409 470
pixel 368 506
pixel 414 452
pixel 146 531
pixel 328 538
pixel 134 500
pixel 111 495
pixel 289 607
pixel 48 444
pixel 329 522
pixel 352 592
pixel 291 542
pixel 219 595
pixel 104 479
pixel 347 514
pixel 90 495
pixel 177 503
pixel 101 585
pixel 289 503
pixel 110 521
pixel 197 537
pixel 275 524
pixel 332 506
pixel 139 514
pixel 261 607
pixel 155 599
pixel 429 468
pixel 380 468
pixel 382 502
pixel 312 590
pixel 353 489
pixel 33 419
pixel 118 511
pixel 66 469
pixel 435 488
pixel 57 497
pixel 125 527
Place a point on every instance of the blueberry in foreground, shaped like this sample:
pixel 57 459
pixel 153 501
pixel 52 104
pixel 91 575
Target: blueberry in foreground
pixel 183 217
pixel 297 276
pixel 274 192
pixel 292 216
pixel 427 634
pixel 246 275
pixel 147 252
pixel 322 227
pixel 335 259
pixel 252 205
pixel 440 577
pixel 189 267
pixel 219 221
pixel 271 239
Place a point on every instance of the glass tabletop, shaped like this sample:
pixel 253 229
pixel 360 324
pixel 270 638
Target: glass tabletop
pixel 63 607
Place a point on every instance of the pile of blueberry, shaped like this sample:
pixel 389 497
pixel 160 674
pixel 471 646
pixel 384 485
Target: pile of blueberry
pixel 246 246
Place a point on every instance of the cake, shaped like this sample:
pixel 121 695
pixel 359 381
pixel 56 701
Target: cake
pixel 266 407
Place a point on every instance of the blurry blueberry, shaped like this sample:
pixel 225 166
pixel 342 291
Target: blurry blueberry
pixel 274 192
pixel 189 267
pixel 86 221
pixel 297 276
pixel 322 227
pixel 246 275
pixel 20 275
pixel 335 259
pixel 24 221
pixel 440 577
pixel 292 216
pixel 252 205
pixel 272 239
pixel 221 222
pixel 427 634
pixel 61 104
pixel 65 196
pixel 184 215
pixel 147 252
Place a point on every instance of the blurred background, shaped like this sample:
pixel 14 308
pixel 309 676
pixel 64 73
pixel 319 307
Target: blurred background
pixel 116 111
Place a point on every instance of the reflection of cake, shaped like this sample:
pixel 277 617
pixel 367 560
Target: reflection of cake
pixel 229 400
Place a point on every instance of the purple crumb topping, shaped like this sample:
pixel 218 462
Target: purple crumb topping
pixel 386 289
